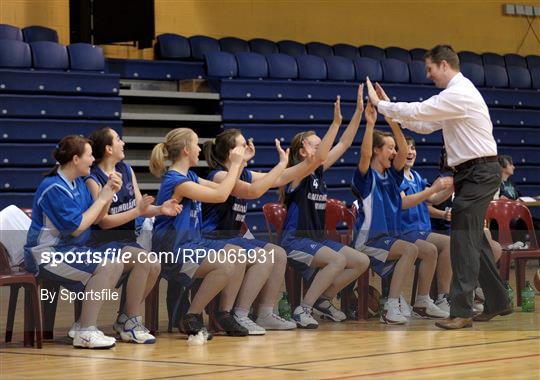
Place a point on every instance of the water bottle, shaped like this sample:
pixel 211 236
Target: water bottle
pixel 510 294
pixel 284 308
pixel 527 298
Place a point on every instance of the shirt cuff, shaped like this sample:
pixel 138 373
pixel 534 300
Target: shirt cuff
pixel 382 107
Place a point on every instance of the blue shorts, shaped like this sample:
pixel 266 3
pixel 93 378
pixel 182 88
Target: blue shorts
pixel 246 243
pixel 413 236
pixel 378 250
pixel 75 275
pixel 300 251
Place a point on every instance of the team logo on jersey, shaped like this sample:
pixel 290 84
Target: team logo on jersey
pixel 387 241
pixel 316 183
pixel 313 246
pixel 130 189
pixel 115 198
pixel 423 233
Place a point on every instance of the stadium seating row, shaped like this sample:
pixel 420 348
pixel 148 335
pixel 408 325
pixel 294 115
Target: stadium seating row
pixel 28 34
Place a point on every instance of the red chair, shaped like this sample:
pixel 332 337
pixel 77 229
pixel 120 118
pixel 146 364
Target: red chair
pixel 337 214
pixel 503 212
pixel 32 311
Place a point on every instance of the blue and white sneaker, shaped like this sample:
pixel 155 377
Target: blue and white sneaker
pixel 303 318
pixel 133 330
pixel 326 310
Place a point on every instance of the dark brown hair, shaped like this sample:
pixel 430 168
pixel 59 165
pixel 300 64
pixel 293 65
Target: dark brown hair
pixel 410 140
pixel 378 140
pixel 216 151
pixel 443 53
pixel 505 160
pixel 69 147
pixel 99 139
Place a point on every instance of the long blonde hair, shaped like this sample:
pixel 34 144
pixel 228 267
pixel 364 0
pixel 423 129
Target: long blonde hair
pixel 175 141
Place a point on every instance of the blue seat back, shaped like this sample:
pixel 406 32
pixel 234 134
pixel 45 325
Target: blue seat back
pixel 202 45
pixel 233 45
pixel 282 66
pixel 417 54
pixel 15 54
pixel 49 55
pixel 495 76
pixel 293 48
pixel 263 46
pixel 347 51
pixel 515 60
pixel 398 53
pixel 171 46
pixel 533 61
pixel 10 32
pixel 373 52
pixel 535 77
pixel 474 72
pixel 319 49
pixel 251 65
pixel 340 68
pixel 39 33
pixel 370 67
pixel 418 72
pixel 220 64
pixel 469 57
pixel 518 77
pixel 493 59
pixel 311 67
pixel 86 57
pixel 395 71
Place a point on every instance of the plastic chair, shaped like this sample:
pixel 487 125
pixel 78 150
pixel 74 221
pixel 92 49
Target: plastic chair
pixel 503 212
pixel 293 48
pixel 373 52
pixel 48 55
pixel 347 51
pixel 398 53
pixel 233 45
pixel 172 46
pixel 202 45
pixel 32 310
pixel 86 57
pixel 338 214
pixel 417 54
pixel 15 54
pixel 493 59
pixel 515 60
pixel 10 32
pixel 340 68
pixel 365 66
pixel 475 73
pixel 39 33
pixel 263 46
pixel 319 49
pixel 282 66
pixel 251 65
pixel 395 71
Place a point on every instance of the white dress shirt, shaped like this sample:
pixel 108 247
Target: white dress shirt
pixel 459 110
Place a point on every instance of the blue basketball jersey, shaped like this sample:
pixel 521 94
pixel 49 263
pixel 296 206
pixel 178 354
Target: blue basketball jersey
pixel 415 218
pixel 379 198
pixel 56 213
pixel 171 232
pixel 123 200
pixel 224 220
pixel 306 205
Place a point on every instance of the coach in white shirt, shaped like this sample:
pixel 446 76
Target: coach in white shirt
pixel 460 111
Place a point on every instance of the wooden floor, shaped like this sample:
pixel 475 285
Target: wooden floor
pixel 507 347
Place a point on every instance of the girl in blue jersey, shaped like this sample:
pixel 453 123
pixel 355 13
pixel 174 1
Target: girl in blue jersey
pixel 62 213
pixel 224 221
pixel 191 255
pixel 416 225
pixel 376 183
pixel 303 232
pixel 119 225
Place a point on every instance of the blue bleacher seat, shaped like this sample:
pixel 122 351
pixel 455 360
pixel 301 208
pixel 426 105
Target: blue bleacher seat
pixel 368 67
pixel 155 70
pixel 418 73
pixel 340 68
pixel 518 77
pixel 535 77
pixel 526 174
pixel 395 71
pixel 515 60
pixel 493 59
pixel 517 136
pixel 19 199
pixel 220 64
pixel 48 55
pixel 515 117
pixel 428 155
pixel 533 61
pixel 398 53
pixel 202 45
pixel 474 72
pixel 319 49
pixel 417 54
pixel 370 51
pixel 311 67
pixel 251 65
pixel 521 155
pixel 347 51
pixel 469 57
pixel 171 46
pixel 263 46
pixel 282 66
pixel 266 156
pixel 15 54
pixel 293 48
pixel 495 76
pixel 39 33
pixel 86 57
pixel 10 32
pixel 26 155
pixel 45 106
pixel 233 45
pixel 20 179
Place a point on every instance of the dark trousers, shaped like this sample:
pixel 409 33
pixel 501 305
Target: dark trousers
pixel 472 260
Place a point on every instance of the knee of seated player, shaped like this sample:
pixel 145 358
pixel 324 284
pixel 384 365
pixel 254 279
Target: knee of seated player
pixel 427 251
pixel 112 270
pixel 279 255
pixel 409 252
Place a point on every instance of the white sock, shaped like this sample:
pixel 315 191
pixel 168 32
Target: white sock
pixel 309 307
pixel 265 311
pixel 239 312
pixel 440 296
pixel 391 301
pixel 421 299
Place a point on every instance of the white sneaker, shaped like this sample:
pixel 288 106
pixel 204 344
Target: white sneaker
pixel 274 322
pixel 74 328
pixel 247 323
pixel 406 309
pixel 391 314
pixel 443 304
pixel 326 310
pixel 426 308
pixel 91 337
pixel 133 330
pixel 118 325
pixel 303 318
pixel 477 305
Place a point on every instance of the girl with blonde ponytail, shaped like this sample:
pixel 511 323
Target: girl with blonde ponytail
pixel 193 256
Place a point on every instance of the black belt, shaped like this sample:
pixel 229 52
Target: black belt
pixel 475 161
